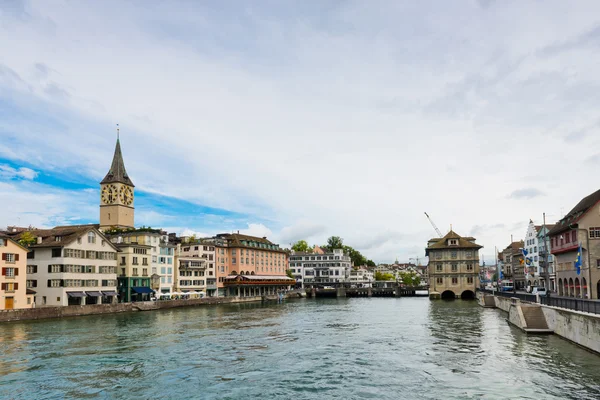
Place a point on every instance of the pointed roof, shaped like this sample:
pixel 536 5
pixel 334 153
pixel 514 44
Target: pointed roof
pixel 117 172
pixel 576 213
pixel 463 243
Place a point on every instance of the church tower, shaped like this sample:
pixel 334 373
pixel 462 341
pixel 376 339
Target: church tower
pixel 116 195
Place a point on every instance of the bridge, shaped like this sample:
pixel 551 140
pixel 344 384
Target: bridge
pixel 379 289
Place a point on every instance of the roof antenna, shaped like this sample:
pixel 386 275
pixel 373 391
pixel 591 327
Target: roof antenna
pixel 117 131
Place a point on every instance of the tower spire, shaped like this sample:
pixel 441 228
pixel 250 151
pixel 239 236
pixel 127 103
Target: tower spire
pixel 117 172
pixel 117 131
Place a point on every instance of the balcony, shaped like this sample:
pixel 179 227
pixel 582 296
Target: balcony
pixel 565 247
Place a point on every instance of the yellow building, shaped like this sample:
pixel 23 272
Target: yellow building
pixel 453 267
pixel 13 287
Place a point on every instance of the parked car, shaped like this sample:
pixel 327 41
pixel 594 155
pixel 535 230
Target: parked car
pixel 539 290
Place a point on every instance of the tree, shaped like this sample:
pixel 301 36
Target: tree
pixel 335 242
pixel 27 239
pixel 409 278
pixel 289 273
pixel 302 246
pixel 370 263
pixel 380 276
pixel 495 277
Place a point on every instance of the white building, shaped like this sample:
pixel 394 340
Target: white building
pixel 311 269
pixel 537 254
pixel 72 265
pixel 361 277
pixel 195 268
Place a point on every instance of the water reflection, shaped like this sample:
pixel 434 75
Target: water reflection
pixel 331 348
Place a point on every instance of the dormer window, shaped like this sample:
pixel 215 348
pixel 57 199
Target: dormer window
pixel 91 237
pixel 453 242
pixel 57 238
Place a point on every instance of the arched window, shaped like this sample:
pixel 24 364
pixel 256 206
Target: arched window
pixel 233 273
pixel 91 237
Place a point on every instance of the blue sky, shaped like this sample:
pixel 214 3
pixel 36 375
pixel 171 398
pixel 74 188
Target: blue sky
pixel 301 120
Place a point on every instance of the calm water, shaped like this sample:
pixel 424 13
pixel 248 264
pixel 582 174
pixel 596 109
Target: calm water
pixel 387 348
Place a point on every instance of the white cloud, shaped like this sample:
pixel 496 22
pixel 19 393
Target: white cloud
pixel 352 119
pixel 8 172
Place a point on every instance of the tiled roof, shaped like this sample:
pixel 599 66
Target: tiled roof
pixel 515 247
pixel 235 240
pixel 65 234
pixel 463 243
pixel 117 172
pixel 577 212
pixel 12 239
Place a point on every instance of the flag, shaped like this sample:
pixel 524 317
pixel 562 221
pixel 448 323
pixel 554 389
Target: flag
pixel 578 260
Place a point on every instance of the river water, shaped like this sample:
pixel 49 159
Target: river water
pixel 378 348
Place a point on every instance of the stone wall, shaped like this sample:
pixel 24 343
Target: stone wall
pixel 580 328
pixel 72 311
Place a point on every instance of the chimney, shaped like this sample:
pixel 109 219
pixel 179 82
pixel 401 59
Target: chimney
pixel 238 232
pixel 39 240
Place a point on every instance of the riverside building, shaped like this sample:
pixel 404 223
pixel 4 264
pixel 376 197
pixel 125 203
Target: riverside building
pixel 453 266
pixel 580 227
pixel 13 289
pixel 249 265
pixel 195 268
pixel 71 265
pixel 323 269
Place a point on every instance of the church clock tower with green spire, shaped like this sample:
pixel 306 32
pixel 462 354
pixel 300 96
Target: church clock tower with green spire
pixel 116 195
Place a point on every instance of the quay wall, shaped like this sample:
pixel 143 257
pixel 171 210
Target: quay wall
pixel 578 327
pixel 96 309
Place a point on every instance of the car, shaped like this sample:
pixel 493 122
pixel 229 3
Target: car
pixel 327 287
pixel 529 289
pixel 539 290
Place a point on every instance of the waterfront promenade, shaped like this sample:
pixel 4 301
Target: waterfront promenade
pixel 358 348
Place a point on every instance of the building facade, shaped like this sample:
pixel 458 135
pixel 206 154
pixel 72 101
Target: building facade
pixel 580 227
pixel 13 286
pixel 323 269
pixel 513 265
pixel 361 277
pixel 238 257
pixel 71 265
pixel 195 268
pixel 453 266
pixel 546 260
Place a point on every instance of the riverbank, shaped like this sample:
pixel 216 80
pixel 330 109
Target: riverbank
pixel 578 327
pixel 98 309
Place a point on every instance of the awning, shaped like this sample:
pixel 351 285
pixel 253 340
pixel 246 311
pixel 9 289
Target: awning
pixel 29 291
pixel 94 294
pixel 109 293
pixel 142 290
pixel 76 294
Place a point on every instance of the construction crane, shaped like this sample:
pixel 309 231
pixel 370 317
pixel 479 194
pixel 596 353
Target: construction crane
pixel 434 227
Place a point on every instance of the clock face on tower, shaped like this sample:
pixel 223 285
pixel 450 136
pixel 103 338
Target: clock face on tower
pixel 109 194
pixel 126 195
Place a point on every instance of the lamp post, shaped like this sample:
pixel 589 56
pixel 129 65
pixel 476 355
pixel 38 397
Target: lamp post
pixel 587 238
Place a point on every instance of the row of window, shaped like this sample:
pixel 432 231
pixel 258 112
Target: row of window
pixel 191 273
pixel 454 280
pixel 315 258
pixel 453 254
pixel 191 283
pixel 453 267
pixel 54 283
pixel 76 269
pixel 205 248
pixel 88 254
pixel 320 265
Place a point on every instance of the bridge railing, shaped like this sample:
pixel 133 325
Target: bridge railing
pixel 582 305
pixel 521 296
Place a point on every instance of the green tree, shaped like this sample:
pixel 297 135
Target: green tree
pixel 289 273
pixel 302 246
pixel 370 263
pixel 335 242
pixel 27 239
pixel 495 277
pixel 380 276
pixel 410 278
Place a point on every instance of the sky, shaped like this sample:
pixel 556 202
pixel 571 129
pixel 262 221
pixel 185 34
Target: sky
pixel 303 119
